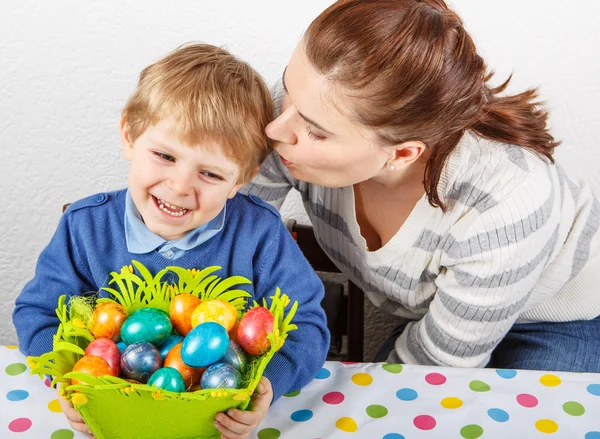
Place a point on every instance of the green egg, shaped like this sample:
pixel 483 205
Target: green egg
pixel 148 325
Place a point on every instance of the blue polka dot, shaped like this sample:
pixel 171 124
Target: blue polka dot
pixel 302 415
pixel 393 436
pixel 406 394
pixel 17 395
pixel 498 415
pixel 592 435
pixel 506 373
pixel 594 389
pixel 322 374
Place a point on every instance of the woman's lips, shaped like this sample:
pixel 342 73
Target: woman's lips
pixel 285 162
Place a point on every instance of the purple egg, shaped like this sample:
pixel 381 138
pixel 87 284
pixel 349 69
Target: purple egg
pixel 204 345
pixel 235 357
pixel 168 344
pixel 221 376
pixel 139 361
pixel 167 378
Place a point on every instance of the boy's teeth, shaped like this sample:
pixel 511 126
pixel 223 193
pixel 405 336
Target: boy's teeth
pixel 171 209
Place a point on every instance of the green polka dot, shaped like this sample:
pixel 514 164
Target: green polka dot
pixel 292 394
pixel 269 433
pixel 392 368
pixel 478 386
pixel 377 411
pixel 15 369
pixel 573 408
pixel 62 434
pixel 471 431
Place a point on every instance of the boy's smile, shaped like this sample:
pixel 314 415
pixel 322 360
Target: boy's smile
pixel 177 187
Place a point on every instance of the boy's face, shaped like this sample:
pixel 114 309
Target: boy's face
pixel 177 187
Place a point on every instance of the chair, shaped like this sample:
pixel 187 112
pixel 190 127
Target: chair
pixel 345 313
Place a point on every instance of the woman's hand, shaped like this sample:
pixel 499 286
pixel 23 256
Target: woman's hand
pixel 237 424
pixel 73 415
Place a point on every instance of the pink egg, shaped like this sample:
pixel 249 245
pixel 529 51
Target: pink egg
pixel 106 349
pixel 253 329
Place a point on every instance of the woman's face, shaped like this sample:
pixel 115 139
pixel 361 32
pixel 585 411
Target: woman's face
pixel 316 142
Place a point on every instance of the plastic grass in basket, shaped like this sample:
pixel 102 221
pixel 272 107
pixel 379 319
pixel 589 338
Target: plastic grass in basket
pixel 116 408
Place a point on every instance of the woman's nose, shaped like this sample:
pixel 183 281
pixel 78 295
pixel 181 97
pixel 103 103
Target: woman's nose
pixel 282 128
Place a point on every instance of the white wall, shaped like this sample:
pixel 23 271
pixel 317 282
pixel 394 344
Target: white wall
pixel 67 67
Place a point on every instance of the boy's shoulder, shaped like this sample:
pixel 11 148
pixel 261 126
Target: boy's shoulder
pixel 252 202
pixel 96 200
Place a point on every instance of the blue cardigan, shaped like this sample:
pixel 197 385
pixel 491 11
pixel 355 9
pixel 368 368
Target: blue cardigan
pixel 90 243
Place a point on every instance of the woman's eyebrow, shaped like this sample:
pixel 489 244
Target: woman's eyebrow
pixel 283 79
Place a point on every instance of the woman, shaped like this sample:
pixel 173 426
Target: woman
pixel 435 193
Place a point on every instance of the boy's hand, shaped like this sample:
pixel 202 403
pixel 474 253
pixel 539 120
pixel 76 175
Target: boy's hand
pixel 73 416
pixel 237 424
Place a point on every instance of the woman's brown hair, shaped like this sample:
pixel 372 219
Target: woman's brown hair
pixel 413 73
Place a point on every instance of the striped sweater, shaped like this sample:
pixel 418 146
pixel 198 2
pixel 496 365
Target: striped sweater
pixel 519 243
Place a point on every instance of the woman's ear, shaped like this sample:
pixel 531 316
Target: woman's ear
pixel 405 154
pixel 126 139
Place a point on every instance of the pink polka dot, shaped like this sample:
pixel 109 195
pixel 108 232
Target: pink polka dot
pixel 424 422
pixel 435 379
pixel 47 382
pixel 527 400
pixel 333 398
pixel 20 425
pixel 348 362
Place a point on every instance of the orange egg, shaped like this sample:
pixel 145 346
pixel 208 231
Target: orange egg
pixel 191 375
pixel 218 311
pixel 181 310
pixel 92 365
pixel 107 320
pixel 233 332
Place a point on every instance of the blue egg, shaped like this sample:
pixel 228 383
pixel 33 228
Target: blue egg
pixel 221 376
pixel 122 346
pixel 148 325
pixel 168 344
pixel 167 378
pixel 235 356
pixel 139 361
pixel 204 345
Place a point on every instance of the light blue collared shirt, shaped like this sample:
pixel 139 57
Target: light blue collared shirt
pixel 141 240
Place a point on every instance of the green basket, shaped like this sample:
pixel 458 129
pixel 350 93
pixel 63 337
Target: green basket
pixel 114 408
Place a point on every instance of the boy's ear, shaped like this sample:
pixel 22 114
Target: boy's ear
pixel 235 190
pixel 125 139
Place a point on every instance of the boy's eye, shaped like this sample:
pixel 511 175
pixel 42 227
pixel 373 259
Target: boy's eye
pixel 211 175
pixel 312 135
pixel 166 157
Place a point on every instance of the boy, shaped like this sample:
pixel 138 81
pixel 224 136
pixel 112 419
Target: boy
pixel 194 134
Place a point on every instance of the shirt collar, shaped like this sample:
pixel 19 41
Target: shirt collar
pixel 141 240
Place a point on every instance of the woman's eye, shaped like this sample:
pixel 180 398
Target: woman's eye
pixel 312 135
pixel 166 157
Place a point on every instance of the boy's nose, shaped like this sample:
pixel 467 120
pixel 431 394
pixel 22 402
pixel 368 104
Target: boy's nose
pixel 282 128
pixel 181 182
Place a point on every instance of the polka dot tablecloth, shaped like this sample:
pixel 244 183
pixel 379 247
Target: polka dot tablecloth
pixel 371 401
pixel 392 401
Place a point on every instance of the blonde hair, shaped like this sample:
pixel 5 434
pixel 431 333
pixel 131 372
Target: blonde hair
pixel 212 96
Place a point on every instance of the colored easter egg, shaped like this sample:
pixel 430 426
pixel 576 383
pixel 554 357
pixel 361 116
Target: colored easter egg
pixel 106 349
pixel 168 344
pixel 233 332
pixel 121 345
pixel 204 345
pixel 180 312
pixel 218 311
pixel 139 361
pixel 167 378
pixel 107 321
pixel 221 376
pixel 148 325
pixel 92 365
pixel 235 356
pixel 253 329
pixel 191 375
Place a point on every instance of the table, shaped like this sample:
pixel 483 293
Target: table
pixel 368 400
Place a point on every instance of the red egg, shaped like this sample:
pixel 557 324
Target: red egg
pixel 191 375
pixel 107 321
pixel 106 349
pixel 253 329
pixel 180 312
pixel 92 365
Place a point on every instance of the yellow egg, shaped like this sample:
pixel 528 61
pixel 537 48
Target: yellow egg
pixel 218 311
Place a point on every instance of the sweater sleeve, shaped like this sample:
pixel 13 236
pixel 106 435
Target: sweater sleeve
pixel 489 265
pixel 273 182
pixel 281 264
pixel 56 273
